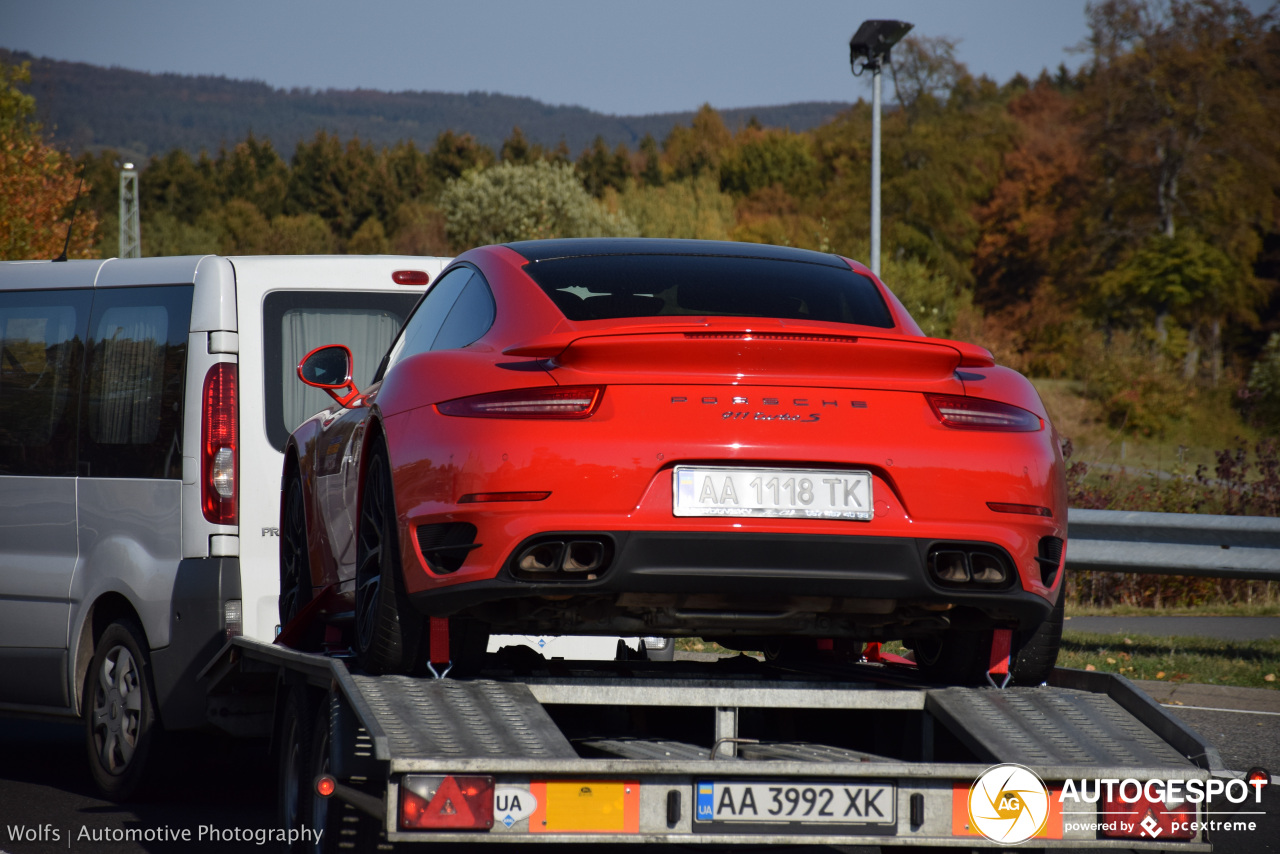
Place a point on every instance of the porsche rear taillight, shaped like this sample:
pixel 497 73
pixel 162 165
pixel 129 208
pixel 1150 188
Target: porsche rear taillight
pixel 975 413
pixel 219 444
pixel 565 402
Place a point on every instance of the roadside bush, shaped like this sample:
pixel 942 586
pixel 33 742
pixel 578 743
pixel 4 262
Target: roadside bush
pixel 524 202
pixel 1241 483
pixel 418 228
pixel 932 298
pixel 1136 383
pixel 370 239
pixel 304 234
pixel 1261 394
pixel 164 234
pixel 689 208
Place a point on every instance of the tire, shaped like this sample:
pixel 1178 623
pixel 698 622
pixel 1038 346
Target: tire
pixel 1037 651
pixel 389 633
pixel 963 657
pixel 334 824
pixel 120 711
pixel 293 801
pixel 295 562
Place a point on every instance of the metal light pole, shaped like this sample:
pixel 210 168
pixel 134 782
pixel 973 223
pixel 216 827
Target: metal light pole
pixel 869 49
pixel 130 227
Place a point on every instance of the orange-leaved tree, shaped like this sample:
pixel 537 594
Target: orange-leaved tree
pixel 37 182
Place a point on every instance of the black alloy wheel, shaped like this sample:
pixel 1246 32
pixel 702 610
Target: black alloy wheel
pixel 388 629
pixel 295 562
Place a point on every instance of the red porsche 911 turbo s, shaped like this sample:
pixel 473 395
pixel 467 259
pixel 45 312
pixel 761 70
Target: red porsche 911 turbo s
pixel 745 443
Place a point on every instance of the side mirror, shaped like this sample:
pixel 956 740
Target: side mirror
pixel 329 368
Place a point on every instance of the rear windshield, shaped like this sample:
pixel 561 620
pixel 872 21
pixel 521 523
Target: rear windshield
pixel 601 287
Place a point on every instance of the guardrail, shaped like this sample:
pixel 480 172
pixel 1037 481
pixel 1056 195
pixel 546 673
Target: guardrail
pixel 1174 544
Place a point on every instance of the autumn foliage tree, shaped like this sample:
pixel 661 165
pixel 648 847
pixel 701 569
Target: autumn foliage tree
pixel 1027 222
pixel 38 183
pixel 1182 112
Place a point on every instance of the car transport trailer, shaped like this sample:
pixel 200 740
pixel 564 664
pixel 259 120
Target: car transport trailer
pixel 734 750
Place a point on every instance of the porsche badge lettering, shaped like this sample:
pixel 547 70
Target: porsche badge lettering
pixel 748 415
pixel 773 401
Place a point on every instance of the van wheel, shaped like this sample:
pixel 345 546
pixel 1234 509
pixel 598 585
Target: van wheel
pixel 120 719
pixel 388 630
pixel 295 563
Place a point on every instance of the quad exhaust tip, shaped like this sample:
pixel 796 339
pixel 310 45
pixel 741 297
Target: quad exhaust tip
pixel 958 566
pixel 576 559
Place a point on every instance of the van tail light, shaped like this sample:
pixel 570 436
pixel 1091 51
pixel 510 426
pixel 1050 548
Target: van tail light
pixel 976 413
pixel 565 402
pixel 439 802
pixel 219 444
pixel 410 277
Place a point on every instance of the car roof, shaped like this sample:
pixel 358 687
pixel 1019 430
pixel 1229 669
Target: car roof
pixel 545 250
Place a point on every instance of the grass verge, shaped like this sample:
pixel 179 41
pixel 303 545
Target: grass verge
pixel 1251 664
pixel 1245 664
pixel 1209 609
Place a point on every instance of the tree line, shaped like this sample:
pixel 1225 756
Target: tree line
pixel 1119 225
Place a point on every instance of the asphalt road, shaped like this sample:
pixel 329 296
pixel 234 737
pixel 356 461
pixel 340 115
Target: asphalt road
pixel 48 802
pixel 1221 628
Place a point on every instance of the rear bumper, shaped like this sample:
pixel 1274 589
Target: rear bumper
pixel 840 575
pixel 197 630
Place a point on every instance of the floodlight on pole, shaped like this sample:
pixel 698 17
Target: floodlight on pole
pixel 130 226
pixel 869 49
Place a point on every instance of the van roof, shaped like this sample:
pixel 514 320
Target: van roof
pixel 179 269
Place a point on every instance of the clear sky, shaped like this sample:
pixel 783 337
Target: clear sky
pixel 624 58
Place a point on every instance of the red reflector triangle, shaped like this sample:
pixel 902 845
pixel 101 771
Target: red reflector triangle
pixel 443 804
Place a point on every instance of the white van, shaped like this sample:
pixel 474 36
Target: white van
pixel 144 405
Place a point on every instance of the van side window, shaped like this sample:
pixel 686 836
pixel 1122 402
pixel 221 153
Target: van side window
pixel 137 354
pixel 296 322
pixel 41 355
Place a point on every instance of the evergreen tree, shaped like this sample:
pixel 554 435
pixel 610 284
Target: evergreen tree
pixel 600 170
pixel 697 149
pixel 651 171
pixel 453 155
pixel 254 172
pixel 516 149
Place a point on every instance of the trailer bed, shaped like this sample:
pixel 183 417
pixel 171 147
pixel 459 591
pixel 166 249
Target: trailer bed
pixel 651 743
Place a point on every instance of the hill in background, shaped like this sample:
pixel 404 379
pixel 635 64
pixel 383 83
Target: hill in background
pixel 89 108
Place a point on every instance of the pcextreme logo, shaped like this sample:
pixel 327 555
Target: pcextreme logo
pixel 1008 804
